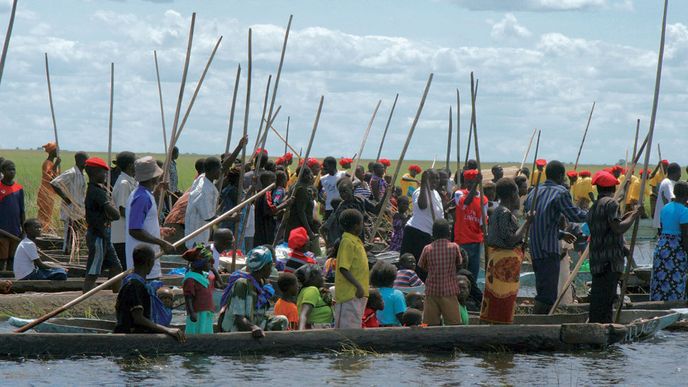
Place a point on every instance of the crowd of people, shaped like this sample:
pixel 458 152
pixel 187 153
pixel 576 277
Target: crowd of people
pixel 444 230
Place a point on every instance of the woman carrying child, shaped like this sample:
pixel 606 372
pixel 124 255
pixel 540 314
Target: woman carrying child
pixel 198 291
pixel 314 303
pixel 505 240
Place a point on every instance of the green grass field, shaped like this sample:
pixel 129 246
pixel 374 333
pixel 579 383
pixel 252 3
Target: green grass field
pixel 29 162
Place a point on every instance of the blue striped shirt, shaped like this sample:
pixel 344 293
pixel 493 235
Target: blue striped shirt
pixel 553 201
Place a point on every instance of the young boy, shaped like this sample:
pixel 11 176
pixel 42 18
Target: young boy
pixel 133 305
pixel 285 306
pixel 328 183
pixel 223 241
pixel 441 259
pixel 406 275
pixel 352 276
pixel 100 212
pixel 27 263
pixel 464 292
pixel 399 222
pixel 12 210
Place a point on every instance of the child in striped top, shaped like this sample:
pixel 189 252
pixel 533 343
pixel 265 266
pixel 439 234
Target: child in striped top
pixel 406 275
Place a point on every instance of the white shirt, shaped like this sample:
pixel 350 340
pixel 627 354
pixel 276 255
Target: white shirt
pixel 666 189
pixel 329 187
pixel 26 253
pixel 250 223
pixel 150 225
pixel 73 185
pixel 121 191
pixel 422 219
pixel 202 206
pixel 216 257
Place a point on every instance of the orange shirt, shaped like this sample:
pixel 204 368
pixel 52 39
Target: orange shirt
pixel 287 309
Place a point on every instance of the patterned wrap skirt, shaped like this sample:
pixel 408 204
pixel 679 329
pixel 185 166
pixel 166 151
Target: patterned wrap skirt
pixel 669 267
pixel 501 285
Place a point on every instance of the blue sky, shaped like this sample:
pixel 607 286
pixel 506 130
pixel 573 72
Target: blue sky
pixel 541 64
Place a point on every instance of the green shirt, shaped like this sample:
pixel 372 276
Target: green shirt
pixel 464 314
pixel 352 257
pixel 321 312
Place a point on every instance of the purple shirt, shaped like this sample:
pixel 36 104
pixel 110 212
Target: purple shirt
pixel 140 205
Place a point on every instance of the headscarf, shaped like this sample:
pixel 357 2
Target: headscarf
pixel 49 147
pixel 198 256
pixel 258 258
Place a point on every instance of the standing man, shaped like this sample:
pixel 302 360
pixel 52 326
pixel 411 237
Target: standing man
pixel 141 214
pixel 46 195
pixel 497 173
pixel 174 176
pixel 121 190
pixel 202 204
pixel 71 187
pixel 328 184
pixel 553 201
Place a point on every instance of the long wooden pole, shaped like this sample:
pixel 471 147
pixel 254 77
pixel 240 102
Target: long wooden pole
pixel 458 133
pixel 397 168
pixel 286 139
pixel 120 276
pixel 6 45
pixel 525 156
pixel 537 185
pixel 52 108
pixel 653 117
pixel 585 133
pixel 659 152
pixel 112 98
pixel 384 134
pixel 470 129
pixel 259 136
pixel 474 121
pixel 365 137
pixel 177 111
pixel 449 140
pixel 162 109
pixel 230 126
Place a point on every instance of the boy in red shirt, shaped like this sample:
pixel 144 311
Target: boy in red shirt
pixel 285 306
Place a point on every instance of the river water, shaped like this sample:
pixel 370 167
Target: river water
pixel 657 361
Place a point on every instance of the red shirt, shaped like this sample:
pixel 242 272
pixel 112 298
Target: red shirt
pixel 440 259
pixel 370 319
pixel 467 228
pixel 202 296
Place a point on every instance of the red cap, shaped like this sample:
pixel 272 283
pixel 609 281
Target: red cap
pixel 470 174
pixel 618 168
pixel 312 162
pixel 261 150
pixel 97 162
pixel 414 167
pixel 345 162
pixel 604 179
pixel 279 161
pixel 385 162
pixel 572 174
pixel 288 156
pixel 584 174
pixel 665 162
pixel 540 162
pixel 298 238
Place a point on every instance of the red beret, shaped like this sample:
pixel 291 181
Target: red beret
pixel 385 162
pixel 470 174
pixel 287 156
pixel 345 162
pixel 665 162
pixel 279 161
pixel 584 174
pixel 261 150
pixel 414 167
pixel 604 179
pixel 572 174
pixel 617 168
pixel 540 162
pixel 298 238
pixel 312 162
pixel 97 162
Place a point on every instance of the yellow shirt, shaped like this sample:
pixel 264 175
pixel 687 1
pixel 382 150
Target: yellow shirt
pixel 583 188
pixel 405 185
pixel 633 190
pixel 534 177
pixel 655 181
pixel 352 257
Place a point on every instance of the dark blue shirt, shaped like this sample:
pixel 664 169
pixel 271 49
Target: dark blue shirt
pixel 553 201
pixel 11 208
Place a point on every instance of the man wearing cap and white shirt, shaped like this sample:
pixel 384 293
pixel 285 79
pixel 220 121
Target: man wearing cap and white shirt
pixel 142 215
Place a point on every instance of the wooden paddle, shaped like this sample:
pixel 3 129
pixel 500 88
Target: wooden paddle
pixel 474 122
pixel 120 276
pixel 585 133
pixel 162 109
pixel 397 167
pixel 52 108
pixel 6 46
pixel 365 137
pixel 112 94
pixel 653 117
pixel 384 134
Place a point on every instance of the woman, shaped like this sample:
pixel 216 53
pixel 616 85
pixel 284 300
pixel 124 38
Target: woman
pixel 427 207
pixel 504 246
pixel 314 302
pixel 46 194
pixel 670 261
pixel 301 209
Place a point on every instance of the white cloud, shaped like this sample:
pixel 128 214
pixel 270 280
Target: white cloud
pixel 542 5
pixel 509 28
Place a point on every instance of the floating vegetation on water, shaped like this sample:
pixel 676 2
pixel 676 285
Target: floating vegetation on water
pixel 350 348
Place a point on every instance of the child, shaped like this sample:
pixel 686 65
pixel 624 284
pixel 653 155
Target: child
pixel 378 185
pixel 331 263
pixel 399 222
pixel 314 303
pixel 412 318
pixel 298 241
pixel 374 305
pixel 27 263
pixel 12 210
pixel 441 260
pixel 223 242
pixel 198 291
pixel 133 305
pixel 415 301
pixel 382 276
pixel 285 306
pixel 406 276
pixel 352 275
pixel 328 183
pixel 464 292
pixel 100 212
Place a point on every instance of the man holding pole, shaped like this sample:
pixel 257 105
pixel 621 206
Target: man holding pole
pixel 141 214
pixel 553 200
pixel 71 187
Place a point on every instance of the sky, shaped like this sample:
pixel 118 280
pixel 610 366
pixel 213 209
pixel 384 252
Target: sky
pixel 540 64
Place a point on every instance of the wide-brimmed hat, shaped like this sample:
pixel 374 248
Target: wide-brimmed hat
pixel 146 168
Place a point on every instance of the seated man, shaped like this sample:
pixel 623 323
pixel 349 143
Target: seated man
pixel 133 307
pixel 27 263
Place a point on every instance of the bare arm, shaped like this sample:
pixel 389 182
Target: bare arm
pixel 145 236
pixel 303 316
pixel 190 308
pixel 61 193
pixel 246 326
pixel 142 321
pixel 350 277
pixel 621 226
